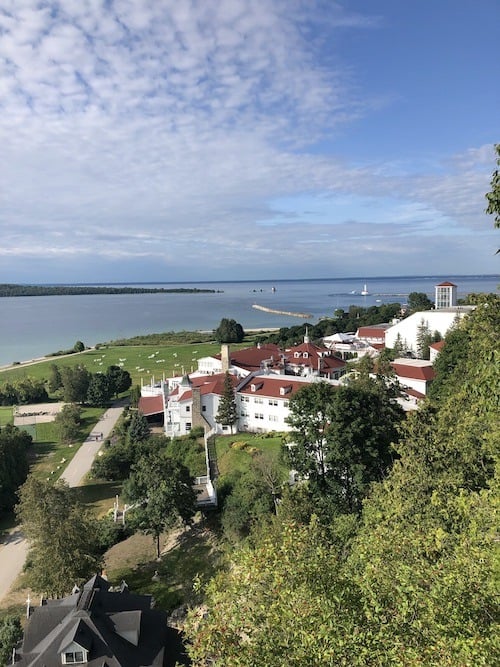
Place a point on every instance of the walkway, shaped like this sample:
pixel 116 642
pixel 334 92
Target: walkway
pixel 13 547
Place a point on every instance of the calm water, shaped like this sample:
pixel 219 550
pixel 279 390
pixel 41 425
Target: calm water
pixel 34 326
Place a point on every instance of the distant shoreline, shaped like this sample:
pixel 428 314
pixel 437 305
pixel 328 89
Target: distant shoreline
pixel 12 290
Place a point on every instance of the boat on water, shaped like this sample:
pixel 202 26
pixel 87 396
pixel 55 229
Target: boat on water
pixel 364 291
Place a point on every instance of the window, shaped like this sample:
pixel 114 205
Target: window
pixel 259 415
pixel 273 402
pixel 259 400
pixel 188 426
pixel 72 657
pixel 203 408
pixel 244 399
pixel 188 408
pixel 285 404
pixel 273 418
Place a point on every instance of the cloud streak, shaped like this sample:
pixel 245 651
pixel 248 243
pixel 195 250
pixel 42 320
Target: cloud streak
pixel 167 131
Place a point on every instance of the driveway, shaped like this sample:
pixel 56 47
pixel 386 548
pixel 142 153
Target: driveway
pixel 13 546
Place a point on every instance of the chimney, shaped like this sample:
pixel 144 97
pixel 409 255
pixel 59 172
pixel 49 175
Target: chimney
pixel 224 355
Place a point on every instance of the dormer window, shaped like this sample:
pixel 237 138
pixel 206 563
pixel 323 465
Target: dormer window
pixel 285 390
pixel 256 386
pixel 74 657
pixel 306 355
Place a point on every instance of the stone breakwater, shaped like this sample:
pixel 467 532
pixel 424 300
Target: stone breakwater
pixel 306 316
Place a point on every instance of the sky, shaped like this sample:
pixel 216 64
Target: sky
pixel 204 140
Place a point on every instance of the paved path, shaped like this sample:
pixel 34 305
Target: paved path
pixel 81 462
pixel 13 546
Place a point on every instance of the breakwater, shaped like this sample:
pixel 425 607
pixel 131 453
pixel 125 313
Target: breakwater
pixel 306 316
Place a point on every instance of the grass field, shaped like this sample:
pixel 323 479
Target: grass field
pixel 235 452
pixel 142 361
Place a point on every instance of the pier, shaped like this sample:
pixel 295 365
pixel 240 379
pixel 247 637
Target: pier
pixel 306 316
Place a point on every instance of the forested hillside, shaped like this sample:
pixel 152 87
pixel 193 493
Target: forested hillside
pixel 410 579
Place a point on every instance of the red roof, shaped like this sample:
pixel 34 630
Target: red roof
pixel 310 355
pixel 446 284
pixel 413 392
pixel 414 372
pixel 437 346
pixel 150 405
pixel 273 386
pixel 251 358
pixel 208 384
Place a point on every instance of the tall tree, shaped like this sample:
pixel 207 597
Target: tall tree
pixel 55 379
pixel 119 380
pixel 423 340
pixel 62 535
pixel 68 422
pixel 343 438
pixel 162 492
pixel 99 391
pixel 229 331
pixel 227 414
pixel 75 381
pixel 138 429
pixel 14 444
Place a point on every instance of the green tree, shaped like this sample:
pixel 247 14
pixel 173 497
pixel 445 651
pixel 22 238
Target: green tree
pixel 99 391
pixel 78 346
pixel 62 535
pixel 493 196
pixel 119 380
pixel 68 422
pixel 343 438
pixel 418 301
pixel 14 444
pixel 138 429
pixel 11 634
pixel 229 331
pixel 75 381
pixel 227 414
pixel 423 340
pixel 162 492
pixel 55 379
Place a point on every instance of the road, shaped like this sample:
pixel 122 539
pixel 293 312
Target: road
pixel 13 546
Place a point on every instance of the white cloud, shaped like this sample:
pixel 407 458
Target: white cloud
pixel 165 129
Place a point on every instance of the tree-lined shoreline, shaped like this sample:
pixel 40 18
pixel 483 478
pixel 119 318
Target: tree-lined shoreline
pixel 13 290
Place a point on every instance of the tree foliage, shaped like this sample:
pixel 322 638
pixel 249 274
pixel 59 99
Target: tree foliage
pixel 14 444
pixel 75 383
pixel 162 491
pixel 99 390
pixel 493 196
pixel 11 633
pixel 24 391
pixel 343 438
pixel 62 535
pixel 418 301
pixel 68 422
pixel 414 581
pixel 119 380
pixel 227 414
pixel 229 331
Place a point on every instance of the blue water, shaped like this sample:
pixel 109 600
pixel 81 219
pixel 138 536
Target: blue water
pixel 31 327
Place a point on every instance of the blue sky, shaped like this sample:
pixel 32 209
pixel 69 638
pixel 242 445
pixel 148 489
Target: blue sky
pixel 149 140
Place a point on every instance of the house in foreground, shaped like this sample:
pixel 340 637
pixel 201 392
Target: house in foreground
pixel 99 627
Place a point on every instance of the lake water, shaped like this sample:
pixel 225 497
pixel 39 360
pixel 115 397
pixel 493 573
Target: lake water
pixel 31 327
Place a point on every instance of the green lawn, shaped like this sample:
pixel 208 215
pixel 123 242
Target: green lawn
pixel 6 415
pixel 235 452
pixel 154 361
pixel 50 457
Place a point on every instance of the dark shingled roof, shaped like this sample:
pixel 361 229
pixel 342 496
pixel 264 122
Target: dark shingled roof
pixel 104 623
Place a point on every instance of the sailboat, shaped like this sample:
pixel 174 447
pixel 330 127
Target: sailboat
pixel 364 291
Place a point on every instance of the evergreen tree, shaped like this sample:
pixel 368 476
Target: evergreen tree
pixel 138 429
pixel 227 414
pixel 11 633
pixel 75 381
pixel 55 379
